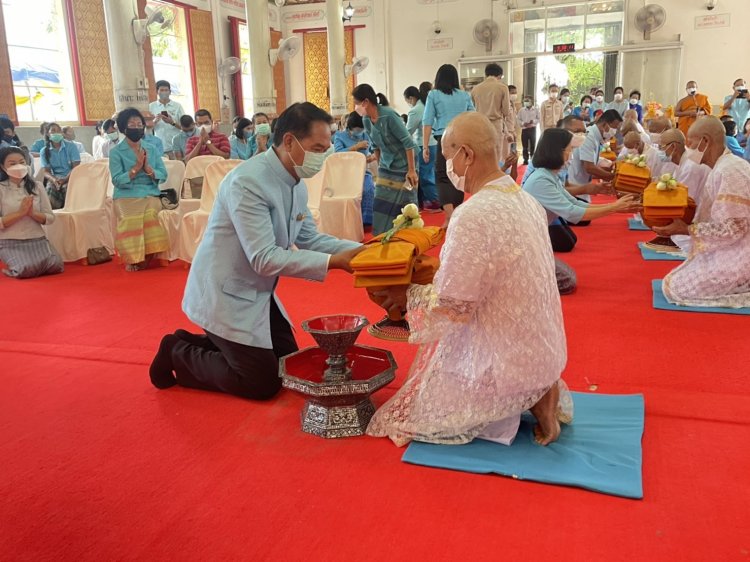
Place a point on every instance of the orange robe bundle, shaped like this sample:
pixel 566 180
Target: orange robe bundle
pixel 660 208
pixel 398 262
pixel 630 178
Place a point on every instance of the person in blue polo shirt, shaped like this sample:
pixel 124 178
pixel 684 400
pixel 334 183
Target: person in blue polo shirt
pixel 58 158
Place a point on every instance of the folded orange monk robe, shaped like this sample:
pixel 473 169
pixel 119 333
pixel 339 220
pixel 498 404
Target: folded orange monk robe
pixel 631 178
pixel 375 267
pixel 660 208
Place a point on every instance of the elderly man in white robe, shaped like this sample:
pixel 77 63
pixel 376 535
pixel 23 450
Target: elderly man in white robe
pixel 717 270
pixel 490 326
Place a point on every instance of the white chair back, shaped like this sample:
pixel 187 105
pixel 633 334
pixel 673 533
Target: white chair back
pixel 315 190
pixel 175 175
pixel 212 178
pixel 87 188
pixel 344 175
pixel 87 158
pixel 196 167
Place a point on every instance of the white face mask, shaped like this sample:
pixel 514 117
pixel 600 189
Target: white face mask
pixel 206 128
pixel 565 99
pixel 578 139
pixel 459 182
pixel 609 133
pixel 695 154
pixel 634 101
pixel 692 91
pixel 600 99
pixel 513 97
pixel 553 95
pixel 17 171
pixel 527 104
pixel 312 163
pixel 618 97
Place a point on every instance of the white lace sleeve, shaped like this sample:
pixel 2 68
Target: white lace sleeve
pixel 431 317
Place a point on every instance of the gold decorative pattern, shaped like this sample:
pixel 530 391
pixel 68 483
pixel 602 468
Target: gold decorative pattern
pixel 204 55
pixel 93 60
pixel 279 81
pixel 316 68
pixel 7 97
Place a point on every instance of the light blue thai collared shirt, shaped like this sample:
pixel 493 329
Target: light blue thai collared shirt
pixel 162 129
pixel 179 141
pixel 37 146
pixel 122 158
pixel 414 125
pixel 61 159
pixel 545 186
pixel 241 150
pixel 390 136
pixel 587 152
pixel 441 108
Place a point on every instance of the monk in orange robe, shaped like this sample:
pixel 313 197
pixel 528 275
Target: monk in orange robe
pixel 692 106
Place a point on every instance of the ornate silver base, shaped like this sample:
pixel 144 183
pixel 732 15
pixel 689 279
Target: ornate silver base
pixel 337 421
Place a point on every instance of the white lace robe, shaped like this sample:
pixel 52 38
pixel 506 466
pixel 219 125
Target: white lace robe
pixel 490 327
pixel 717 270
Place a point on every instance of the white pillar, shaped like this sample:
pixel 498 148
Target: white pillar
pixel 126 56
pixel 336 56
pixel 258 27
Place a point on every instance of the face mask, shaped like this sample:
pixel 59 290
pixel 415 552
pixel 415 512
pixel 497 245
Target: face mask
pixel 163 96
pixel 248 135
pixel 206 127
pixel 459 182
pixel 113 136
pixel 618 97
pixel 263 130
pixel 586 105
pixel 695 154
pixel 17 171
pixel 609 133
pixel 56 137
pixel 565 99
pixel 357 134
pixel 527 104
pixel 600 99
pixel 634 101
pixel 513 97
pixel 663 156
pixel 134 133
pixel 578 139
pixel 360 110
pixel 312 163
pixel 553 95
pixel 191 132
pixel 655 138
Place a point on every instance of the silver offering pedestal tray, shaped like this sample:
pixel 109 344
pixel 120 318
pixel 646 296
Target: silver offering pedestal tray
pixel 338 377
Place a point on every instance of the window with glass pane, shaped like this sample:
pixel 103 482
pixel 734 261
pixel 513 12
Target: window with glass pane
pixel 527 31
pixel 565 24
pixel 247 84
pixel 171 56
pixel 40 61
pixel 604 24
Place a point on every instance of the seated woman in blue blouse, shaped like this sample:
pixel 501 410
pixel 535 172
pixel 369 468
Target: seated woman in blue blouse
pixel 635 104
pixel 354 139
pixel 553 151
pixel 58 158
pixel 584 111
pixel 137 169
pixel 242 143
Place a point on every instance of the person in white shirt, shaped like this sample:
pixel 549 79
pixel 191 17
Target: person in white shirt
pixel 106 140
pixel 528 119
pixel 70 135
pixel 167 113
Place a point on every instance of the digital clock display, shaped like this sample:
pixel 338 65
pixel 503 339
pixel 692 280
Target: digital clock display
pixel 564 48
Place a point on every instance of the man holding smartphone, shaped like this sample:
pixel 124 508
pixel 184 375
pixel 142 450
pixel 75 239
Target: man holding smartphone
pixel 738 104
pixel 167 113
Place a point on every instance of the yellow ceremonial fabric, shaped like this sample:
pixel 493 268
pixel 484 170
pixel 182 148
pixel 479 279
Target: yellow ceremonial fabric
pixel 631 178
pixel 204 55
pixel 609 155
pixel 662 207
pixel 7 99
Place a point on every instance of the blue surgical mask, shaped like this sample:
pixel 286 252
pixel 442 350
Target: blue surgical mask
pixel 663 156
pixel 312 163
pixel 357 134
pixel 248 135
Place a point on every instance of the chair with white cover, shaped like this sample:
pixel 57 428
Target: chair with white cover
pixel 170 219
pixel 84 222
pixel 196 168
pixel 87 158
pixel 341 206
pixel 194 224
pixel 314 195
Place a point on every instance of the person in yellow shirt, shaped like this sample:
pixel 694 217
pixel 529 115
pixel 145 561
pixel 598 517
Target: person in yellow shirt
pixel 692 106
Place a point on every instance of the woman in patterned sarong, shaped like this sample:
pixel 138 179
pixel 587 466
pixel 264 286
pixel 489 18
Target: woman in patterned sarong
pixel 136 171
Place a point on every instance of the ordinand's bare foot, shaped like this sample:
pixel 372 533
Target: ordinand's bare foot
pixel 547 429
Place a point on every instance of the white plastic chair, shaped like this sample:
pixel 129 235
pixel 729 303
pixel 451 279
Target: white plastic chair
pixel 315 195
pixel 84 222
pixel 171 219
pixel 196 168
pixel 194 224
pixel 341 205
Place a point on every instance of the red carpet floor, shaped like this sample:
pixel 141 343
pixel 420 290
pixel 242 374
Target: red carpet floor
pixel 98 465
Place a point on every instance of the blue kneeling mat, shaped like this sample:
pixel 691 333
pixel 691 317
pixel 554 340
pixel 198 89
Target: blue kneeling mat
pixel 652 255
pixel 599 451
pixel 661 302
pixel 635 224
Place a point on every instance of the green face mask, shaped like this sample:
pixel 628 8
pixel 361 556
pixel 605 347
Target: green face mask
pixel 263 130
pixel 56 137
